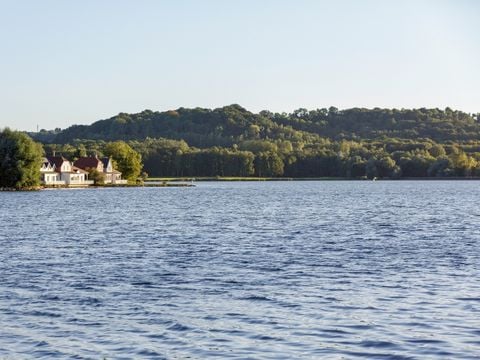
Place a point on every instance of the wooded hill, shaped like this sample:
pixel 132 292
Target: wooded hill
pixel 231 141
pixel 231 124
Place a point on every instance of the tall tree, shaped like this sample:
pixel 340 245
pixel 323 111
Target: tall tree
pixel 127 160
pixel 268 164
pixel 20 160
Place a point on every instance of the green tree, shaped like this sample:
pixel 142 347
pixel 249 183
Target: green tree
pixel 462 163
pixel 253 131
pixel 383 166
pixel 97 176
pixel 258 146
pixel 268 164
pixel 442 167
pixel 437 151
pixel 20 160
pixel 355 167
pixel 126 160
pixel 81 151
pixel 416 166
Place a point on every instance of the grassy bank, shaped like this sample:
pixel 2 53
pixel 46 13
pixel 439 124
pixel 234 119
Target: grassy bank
pixel 221 178
pixel 213 178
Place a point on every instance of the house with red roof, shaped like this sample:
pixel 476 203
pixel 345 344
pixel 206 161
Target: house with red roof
pixel 58 171
pixel 103 165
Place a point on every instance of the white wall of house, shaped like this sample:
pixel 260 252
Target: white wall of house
pixel 73 178
pixel 51 179
pixel 117 179
pixel 69 175
pixel 66 166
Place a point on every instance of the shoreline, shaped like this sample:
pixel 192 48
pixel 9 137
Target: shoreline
pixel 190 182
pixel 253 179
pixel 119 186
pixel 63 187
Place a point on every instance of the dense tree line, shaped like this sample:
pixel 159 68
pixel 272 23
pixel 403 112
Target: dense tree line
pixel 233 124
pixel 232 141
pixel 390 158
pixel 20 161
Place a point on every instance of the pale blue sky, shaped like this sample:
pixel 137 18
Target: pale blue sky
pixel 75 62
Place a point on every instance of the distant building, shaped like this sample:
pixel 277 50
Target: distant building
pixel 103 165
pixel 49 174
pixel 56 170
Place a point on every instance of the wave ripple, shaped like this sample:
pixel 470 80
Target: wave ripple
pixel 372 270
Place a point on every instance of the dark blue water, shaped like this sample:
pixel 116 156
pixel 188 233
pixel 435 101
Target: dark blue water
pixel 337 270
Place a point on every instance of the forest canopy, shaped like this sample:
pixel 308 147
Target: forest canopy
pixel 232 141
pixel 20 160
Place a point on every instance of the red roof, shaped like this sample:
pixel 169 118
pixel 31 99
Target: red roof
pixel 57 160
pixel 87 162
pixel 78 170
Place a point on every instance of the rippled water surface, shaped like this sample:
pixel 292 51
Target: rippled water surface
pixel 376 270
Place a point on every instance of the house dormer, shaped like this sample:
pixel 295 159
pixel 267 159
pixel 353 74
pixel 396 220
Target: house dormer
pixel 107 164
pixel 47 166
pixel 60 164
pixel 66 166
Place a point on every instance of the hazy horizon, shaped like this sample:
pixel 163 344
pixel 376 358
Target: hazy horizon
pixel 76 63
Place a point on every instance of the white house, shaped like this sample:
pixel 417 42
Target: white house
pixel 104 166
pixel 49 174
pixel 56 170
pixel 112 175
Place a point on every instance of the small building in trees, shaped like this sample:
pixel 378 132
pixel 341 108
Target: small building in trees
pixel 49 174
pixel 57 170
pixel 103 166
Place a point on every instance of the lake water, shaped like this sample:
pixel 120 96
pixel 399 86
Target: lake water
pixel 267 270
